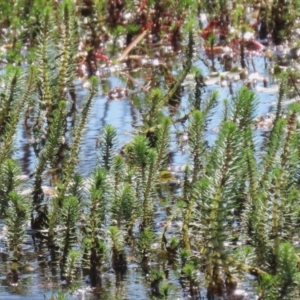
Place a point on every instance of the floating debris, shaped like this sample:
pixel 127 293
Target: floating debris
pixel 117 93
pixel 265 123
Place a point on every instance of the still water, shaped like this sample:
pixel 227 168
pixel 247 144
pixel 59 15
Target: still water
pixel 40 280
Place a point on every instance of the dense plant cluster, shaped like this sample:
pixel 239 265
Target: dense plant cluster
pixel 236 200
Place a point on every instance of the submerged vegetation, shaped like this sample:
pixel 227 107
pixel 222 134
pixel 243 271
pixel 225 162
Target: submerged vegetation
pixel 229 216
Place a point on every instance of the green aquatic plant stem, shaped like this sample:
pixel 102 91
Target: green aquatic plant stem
pixel 187 198
pixel 44 66
pixel 70 166
pixel 279 203
pixel 186 70
pixel 244 267
pixel 143 161
pixel 72 162
pixel 261 230
pixel 67 238
pixel 7 138
pixel 51 148
pixel 118 172
pixel 17 214
pixel 274 144
pixel 124 204
pixel 283 86
pixel 255 212
pixel 150 184
pixel 197 148
pixel 249 153
pixel 211 41
pixel 107 145
pixel 151 117
pixel 291 128
pixel 95 221
pixel 199 90
pixel 197 143
pixel 163 141
pixel 207 107
pixel 66 60
pixel 252 206
pixel 8 98
pixel 9 171
pixel 245 104
pixel 137 153
pixel 72 264
pixel 215 194
pixel 130 226
pixel 118 250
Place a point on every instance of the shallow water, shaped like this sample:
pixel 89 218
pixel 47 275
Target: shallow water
pixel 41 280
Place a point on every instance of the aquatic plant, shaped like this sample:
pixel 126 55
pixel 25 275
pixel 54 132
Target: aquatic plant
pixel 9 181
pixel 107 146
pixel 17 216
pixel 156 277
pixel 14 95
pixel 67 237
pixel 235 206
pixel 119 262
pixel 197 148
pixel 281 19
pixel 96 217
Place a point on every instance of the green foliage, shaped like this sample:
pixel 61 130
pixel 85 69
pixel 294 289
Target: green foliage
pixel 96 208
pixel 59 296
pixel 73 263
pixel 124 204
pixel 137 152
pixel 196 142
pixel 238 204
pixel 244 107
pixel 163 141
pixel 9 181
pixel 285 284
pixel 107 146
pixel 156 277
pixel 67 237
pixel 217 197
pixel 14 95
pixel 118 249
pixel 98 193
pixel 50 153
pixel 56 65
pixel 145 240
pixel 17 215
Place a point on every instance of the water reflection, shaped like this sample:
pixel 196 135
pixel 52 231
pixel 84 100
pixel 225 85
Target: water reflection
pixel 122 114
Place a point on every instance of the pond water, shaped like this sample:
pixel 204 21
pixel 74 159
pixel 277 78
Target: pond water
pixel 40 279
